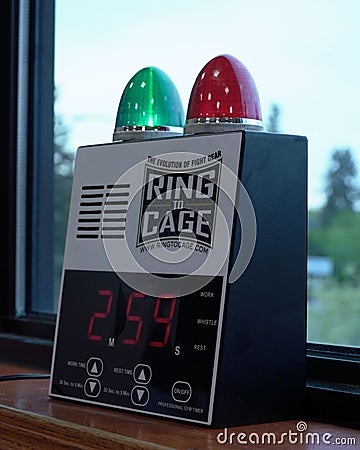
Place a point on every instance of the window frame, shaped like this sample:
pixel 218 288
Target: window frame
pixel 40 185
pixel 332 384
pixel 333 373
pixel 29 333
pixel 8 127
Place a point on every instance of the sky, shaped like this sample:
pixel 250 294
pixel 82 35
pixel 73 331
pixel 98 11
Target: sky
pixel 304 56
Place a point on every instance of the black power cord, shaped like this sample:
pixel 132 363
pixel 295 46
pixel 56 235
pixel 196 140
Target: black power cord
pixel 25 376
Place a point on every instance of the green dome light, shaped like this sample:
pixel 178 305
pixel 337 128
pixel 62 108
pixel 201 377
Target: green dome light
pixel 150 107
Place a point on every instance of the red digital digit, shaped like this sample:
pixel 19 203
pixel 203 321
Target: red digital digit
pixel 100 315
pixel 133 318
pixel 164 320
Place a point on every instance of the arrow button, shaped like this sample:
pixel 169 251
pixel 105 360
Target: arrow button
pixel 142 374
pixel 94 367
pixel 140 395
pixel 92 387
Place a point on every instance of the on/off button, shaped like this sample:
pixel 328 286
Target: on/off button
pixel 181 391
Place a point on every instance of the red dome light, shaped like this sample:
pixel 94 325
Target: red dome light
pixel 224 98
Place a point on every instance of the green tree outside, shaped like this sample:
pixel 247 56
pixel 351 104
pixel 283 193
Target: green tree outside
pixel 63 175
pixel 273 122
pixel 334 232
pixel 340 240
pixel 341 189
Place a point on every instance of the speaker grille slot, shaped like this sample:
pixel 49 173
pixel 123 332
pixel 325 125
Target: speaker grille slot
pixel 102 201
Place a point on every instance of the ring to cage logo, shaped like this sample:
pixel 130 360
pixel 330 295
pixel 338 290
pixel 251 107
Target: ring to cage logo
pixel 179 223
pixel 178 208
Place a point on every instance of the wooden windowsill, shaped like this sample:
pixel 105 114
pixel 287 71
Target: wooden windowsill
pixel 29 419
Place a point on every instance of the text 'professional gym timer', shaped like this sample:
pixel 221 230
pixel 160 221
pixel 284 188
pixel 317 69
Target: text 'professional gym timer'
pixel 183 291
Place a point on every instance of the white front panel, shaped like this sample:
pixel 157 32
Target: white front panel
pixel 145 275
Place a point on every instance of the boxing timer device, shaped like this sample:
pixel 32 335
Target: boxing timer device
pixel 183 290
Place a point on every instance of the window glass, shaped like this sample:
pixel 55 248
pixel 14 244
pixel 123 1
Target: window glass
pixel 305 61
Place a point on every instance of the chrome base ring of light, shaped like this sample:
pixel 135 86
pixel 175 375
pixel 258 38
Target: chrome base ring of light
pixel 221 124
pixel 142 133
